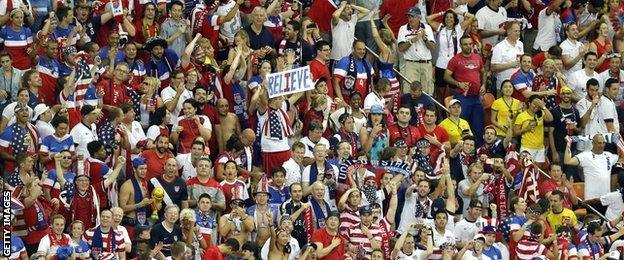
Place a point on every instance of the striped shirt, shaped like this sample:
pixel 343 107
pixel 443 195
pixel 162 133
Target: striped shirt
pixel 359 239
pixel 348 218
pixel 529 249
pixel 107 251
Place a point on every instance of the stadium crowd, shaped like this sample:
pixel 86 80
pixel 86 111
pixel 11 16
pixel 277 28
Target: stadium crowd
pixel 430 129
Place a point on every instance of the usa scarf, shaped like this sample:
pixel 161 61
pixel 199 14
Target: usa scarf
pixel 298 51
pixel 141 213
pixel 307 223
pixel 352 75
pixel 320 213
pixel 97 244
pixel 497 188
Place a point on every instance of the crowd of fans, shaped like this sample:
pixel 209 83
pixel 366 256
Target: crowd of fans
pixel 438 129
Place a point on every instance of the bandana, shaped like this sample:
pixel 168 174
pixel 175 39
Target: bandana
pixel 422 208
pixel 370 192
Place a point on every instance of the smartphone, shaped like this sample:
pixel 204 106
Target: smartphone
pixel 311 26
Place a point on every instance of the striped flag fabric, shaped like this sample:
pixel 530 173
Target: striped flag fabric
pixel 528 186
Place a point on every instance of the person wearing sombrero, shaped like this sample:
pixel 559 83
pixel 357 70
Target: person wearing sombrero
pixel 162 61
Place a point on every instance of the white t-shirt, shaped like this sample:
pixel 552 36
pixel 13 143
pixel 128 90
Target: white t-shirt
pixel 342 40
pixel 614 203
pixel 504 53
pixel 414 256
pixel 491 20
pixel 82 137
pixel 293 171
pixel 373 99
pixel 571 50
pixel 309 153
pixel 578 80
pixel 468 256
pixel 604 76
pixel 597 170
pixel 44 129
pixel 605 110
pixel 135 134
pixel 44 245
pixel 228 29
pixel 168 94
pixel 418 51
pixel 466 230
pixel 185 163
pixel 547 30
pixel 446 48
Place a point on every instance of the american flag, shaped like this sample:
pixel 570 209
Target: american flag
pixel 278 125
pixel 83 76
pixel 620 145
pixel 20 144
pixel 528 187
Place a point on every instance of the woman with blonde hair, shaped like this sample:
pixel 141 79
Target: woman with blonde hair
pixel 150 100
pixel 191 234
pixel 242 45
pixel 386 44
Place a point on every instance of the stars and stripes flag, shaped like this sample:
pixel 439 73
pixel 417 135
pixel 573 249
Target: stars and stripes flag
pixel 528 186
pixel 620 145
pixel 83 80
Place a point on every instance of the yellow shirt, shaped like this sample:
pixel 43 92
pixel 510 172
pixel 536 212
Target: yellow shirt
pixel 503 110
pixel 556 220
pixel 531 139
pixel 454 131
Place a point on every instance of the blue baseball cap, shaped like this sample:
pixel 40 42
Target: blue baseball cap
pixel 138 162
pixel 376 109
pixel 414 11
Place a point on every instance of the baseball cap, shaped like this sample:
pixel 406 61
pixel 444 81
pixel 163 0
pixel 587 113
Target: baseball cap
pixel 39 110
pixel 376 109
pixel 20 106
pixel 86 109
pixel 479 236
pixel 422 143
pixel 565 89
pixel 333 214
pixel 414 11
pixel 453 102
pixel 366 210
pixel 138 162
pixel 489 230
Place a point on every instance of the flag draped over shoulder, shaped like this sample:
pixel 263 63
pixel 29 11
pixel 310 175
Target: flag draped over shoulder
pixel 321 13
pixel 528 186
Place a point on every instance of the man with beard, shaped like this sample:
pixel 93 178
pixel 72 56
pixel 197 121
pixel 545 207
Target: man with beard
pixel 155 158
pixel 161 63
pixel 416 197
pixel 299 212
pixel 292 42
pixel 494 145
pixel 229 124
pixel 566 121
pixel 134 197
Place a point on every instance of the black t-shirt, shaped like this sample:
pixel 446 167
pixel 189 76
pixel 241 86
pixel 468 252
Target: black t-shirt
pixel 299 231
pixel 176 190
pixel 560 118
pixel 257 41
pixel 160 234
pixel 416 105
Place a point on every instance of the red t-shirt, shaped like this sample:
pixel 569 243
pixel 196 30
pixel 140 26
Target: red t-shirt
pixel 439 134
pixel 410 134
pixel 467 69
pixel 155 164
pixel 320 70
pixel 188 135
pixel 538 60
pixel 321 236
pixel 213 253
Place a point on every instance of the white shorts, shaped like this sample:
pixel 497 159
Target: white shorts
pixel 539 155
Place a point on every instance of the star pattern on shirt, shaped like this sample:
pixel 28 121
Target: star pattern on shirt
pixel 19 142
pixel 274 125
pixel 14 180
pixel 106 133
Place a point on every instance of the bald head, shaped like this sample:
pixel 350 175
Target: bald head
pixel 223 106
pixel 171 168
pixel 248 136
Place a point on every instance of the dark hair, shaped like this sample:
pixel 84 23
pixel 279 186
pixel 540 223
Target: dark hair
pixel 26 77
pixel 513 202
pixel 57 120
pixel 126 107
pixel 199 143
pixel 198 89
pixel 6 54
pixel 611 81
pixel 204 196
pixel 533 97
pixel 176 2
pixel 475 203
pixel 314 125
pixel 89 46
pixel 94 146
pixel 234 144
pixel 159 116
pixel 591 82
pixel 536 228
pixel 555 52
pixel 589 53
pixel 455 19
pixel 358 41
pixel 278 169
pixel 469 137
pixel 62 12
pixel 253 248
pixel 505 81
pixel 296 25
pixel 318 46
pixel 593 227
pixel 558 193
pixel 145 8
pixel 233 243
pixel 193 103
pixel 464 36
pixel 290 187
